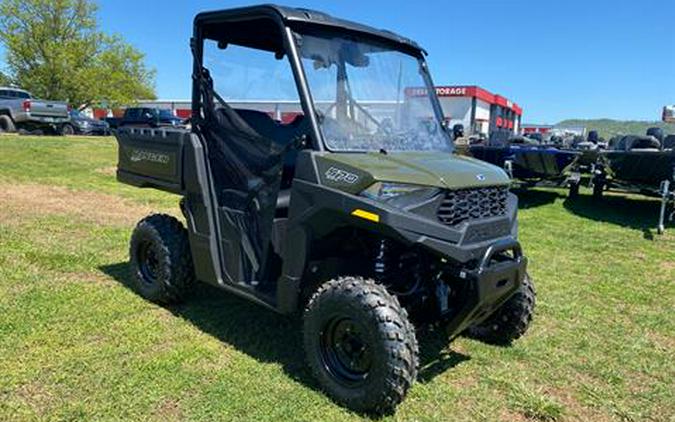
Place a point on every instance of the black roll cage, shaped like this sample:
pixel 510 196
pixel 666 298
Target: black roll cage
pixel 284 18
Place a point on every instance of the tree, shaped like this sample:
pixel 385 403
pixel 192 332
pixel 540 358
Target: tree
pixel 4 79
pixel 55 49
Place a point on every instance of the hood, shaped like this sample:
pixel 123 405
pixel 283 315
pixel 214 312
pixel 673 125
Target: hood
pixel 440 169
pixel 83 119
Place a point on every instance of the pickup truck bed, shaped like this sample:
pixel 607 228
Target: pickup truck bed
pixel 22 111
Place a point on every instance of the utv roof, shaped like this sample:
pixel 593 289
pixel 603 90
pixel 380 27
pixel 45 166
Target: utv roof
pixel 300 17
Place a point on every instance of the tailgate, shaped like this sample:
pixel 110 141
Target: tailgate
pixel 45 108
pixel 151 157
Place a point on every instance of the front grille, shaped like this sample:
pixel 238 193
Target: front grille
pixel 472 204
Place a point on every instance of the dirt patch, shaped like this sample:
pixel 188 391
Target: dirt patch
pixel 35 396
pixel 168 410
pixel 107 171
pixel 508 415
pixel 20 200
pixel 668 266
pixel 574 409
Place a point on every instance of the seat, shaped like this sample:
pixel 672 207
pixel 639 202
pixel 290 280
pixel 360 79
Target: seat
pixel 281 134
pixel 260 121
pixel 649 143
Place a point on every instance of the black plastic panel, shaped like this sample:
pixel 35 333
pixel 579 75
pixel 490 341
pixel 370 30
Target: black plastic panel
pixel 151 157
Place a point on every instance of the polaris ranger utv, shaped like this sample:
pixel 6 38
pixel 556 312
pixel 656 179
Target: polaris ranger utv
pixel 311 182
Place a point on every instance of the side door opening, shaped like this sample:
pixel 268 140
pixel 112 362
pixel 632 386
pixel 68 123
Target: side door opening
pixel 250 118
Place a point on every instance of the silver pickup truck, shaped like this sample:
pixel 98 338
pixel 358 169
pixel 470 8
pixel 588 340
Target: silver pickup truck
pixel 19 110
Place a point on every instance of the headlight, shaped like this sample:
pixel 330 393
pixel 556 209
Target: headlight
pixel 400 194
pixel 84 123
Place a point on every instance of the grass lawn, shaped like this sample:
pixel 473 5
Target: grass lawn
pixel 77 344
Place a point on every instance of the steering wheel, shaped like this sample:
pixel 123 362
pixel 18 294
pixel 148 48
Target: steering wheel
pixel 357 124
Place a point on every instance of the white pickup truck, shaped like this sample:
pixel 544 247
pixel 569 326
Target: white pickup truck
pixel 19 110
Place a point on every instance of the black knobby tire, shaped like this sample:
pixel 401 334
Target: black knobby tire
pixel 160 260
pixel 7 125
pixel 67 130
pixel 369 365
pixel 511 320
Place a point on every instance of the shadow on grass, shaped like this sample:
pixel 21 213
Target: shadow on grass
pixel 634 213
pixel 269 337
pixel 531 198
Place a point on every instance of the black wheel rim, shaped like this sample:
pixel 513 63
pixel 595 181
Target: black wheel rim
pixel 68 130
pixel 345 352
pixel 148 263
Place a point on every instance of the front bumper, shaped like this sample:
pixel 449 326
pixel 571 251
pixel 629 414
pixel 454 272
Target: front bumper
pixel 38 120
pixel 489 286
pixel 94 130
pixel 483 259
pixel 486 265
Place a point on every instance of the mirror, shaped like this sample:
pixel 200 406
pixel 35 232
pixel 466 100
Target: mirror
pixel 326 53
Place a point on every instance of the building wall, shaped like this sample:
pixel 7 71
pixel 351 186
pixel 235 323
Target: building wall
pixel 457 110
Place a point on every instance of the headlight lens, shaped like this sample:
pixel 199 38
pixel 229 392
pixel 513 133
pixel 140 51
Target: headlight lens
pixel 399 194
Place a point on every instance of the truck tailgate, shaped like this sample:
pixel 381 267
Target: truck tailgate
pixel 42 108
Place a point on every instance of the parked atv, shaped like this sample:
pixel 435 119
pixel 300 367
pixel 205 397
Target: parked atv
pixel 355 210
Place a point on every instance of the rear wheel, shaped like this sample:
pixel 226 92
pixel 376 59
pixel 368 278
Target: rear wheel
pixel 510 321
pixel 360 345
pixel 7 125
pixel 160 259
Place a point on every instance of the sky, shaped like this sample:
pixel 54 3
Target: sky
pixel 557 59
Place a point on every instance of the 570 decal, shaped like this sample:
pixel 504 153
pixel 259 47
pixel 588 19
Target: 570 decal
pixel 338 175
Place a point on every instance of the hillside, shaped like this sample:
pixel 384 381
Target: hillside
pixel 608 128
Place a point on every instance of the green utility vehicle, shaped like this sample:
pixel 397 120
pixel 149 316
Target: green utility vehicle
pixel 317 177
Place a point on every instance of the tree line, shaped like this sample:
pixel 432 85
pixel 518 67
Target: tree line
pixel 56 50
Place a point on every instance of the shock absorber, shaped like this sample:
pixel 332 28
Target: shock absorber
pixel 381 256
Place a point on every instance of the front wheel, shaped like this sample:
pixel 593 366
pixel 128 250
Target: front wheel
pixel 360 345
pixel 67 130
pixel 511 320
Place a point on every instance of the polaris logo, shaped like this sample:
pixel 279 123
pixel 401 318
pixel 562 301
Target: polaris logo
pixel 338 175
pixel 480 177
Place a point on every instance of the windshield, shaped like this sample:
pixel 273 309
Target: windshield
pixel 370 97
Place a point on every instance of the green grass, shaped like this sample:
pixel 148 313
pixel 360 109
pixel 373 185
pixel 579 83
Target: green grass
pixel 77 344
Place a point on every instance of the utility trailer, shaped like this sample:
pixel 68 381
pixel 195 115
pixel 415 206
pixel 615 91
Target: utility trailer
pixel 528 165
pixel 635 164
